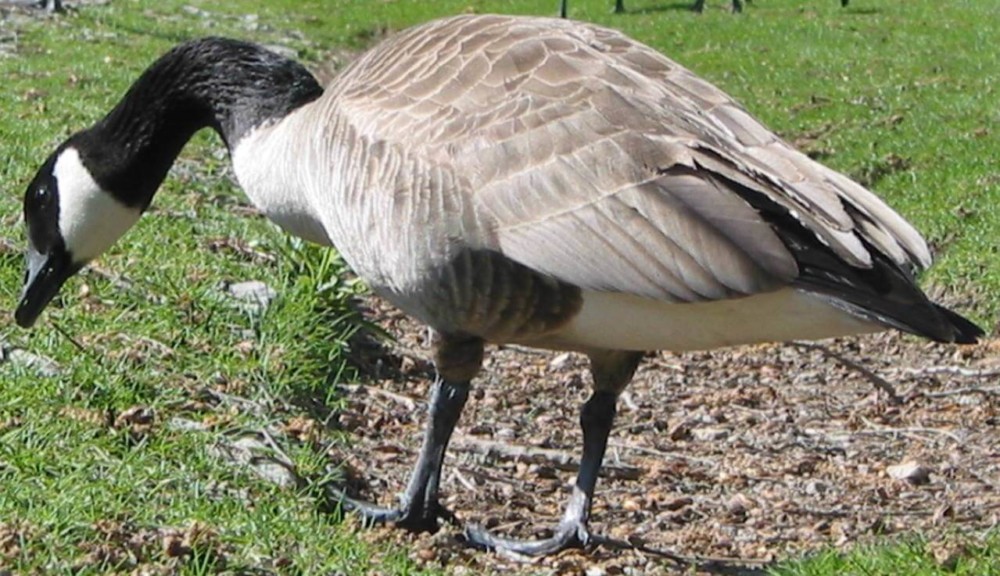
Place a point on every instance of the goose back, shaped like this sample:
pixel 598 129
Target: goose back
pixel 578 157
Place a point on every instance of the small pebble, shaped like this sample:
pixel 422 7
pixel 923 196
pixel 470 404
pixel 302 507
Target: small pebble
pixel 252 292
pixel 43 366
pixel 709 434
pixel 911 472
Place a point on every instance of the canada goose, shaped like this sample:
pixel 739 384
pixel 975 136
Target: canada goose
pixel 47 5
pixel 699 6
pixel 509 179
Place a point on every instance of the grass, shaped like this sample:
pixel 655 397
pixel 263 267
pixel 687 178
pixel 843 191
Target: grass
pixel 900 95
pixel 913 557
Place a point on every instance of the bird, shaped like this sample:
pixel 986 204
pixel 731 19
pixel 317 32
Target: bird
pixel 51 6
pixel 698 6
pixel 508 179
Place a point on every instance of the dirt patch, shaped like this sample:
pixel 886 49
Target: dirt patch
pixel 754 453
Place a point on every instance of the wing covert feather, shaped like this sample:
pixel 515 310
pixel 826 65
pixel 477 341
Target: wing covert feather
pixel 598 161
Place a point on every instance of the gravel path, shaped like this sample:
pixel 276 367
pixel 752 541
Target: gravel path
pixel 753 453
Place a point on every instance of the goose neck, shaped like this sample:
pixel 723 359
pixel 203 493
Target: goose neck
pixel 227 85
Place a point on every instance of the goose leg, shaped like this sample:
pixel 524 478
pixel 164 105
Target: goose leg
pixel 419 508
pixel 699 6
pixel 612 371
pixel 619 6
pixel 571 532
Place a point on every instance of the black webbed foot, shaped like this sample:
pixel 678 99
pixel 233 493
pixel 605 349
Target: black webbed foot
pixel 567 535
pixel 411 517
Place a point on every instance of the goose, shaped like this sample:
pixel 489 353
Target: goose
pixel 508 179
pixel 698 6
pixel 51 6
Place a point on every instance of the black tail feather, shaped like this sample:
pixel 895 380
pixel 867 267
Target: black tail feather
pixel 965 331
pixel 886 293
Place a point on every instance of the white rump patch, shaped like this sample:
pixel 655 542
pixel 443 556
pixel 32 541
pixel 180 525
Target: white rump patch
pixel 90 219
pixel 624 322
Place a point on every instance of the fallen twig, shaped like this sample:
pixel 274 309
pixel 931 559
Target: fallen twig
pixel 984 390
pixel 877 429
pixel 70 337
pixel 471 471
pixel 556 458
pixel 952 371
pixel 910 432
pixel 406 401
pixel 661 454
pixel 253 407
pixel 876 380
pixel 463 480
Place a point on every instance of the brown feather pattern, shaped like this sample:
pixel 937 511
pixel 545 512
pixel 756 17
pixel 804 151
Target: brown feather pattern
pixel 478 155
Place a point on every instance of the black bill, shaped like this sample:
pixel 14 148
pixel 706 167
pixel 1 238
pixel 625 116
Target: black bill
pixel 46 273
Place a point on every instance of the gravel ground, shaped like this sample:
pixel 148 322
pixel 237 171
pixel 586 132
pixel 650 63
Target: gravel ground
pixel 744 455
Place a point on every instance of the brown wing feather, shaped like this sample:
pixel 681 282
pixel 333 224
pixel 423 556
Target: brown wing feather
pixel 598 161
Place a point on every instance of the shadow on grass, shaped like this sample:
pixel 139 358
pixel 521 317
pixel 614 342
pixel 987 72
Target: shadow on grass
pixel 670 7
pixel 369 357
pixel 866 11
pixel 699 565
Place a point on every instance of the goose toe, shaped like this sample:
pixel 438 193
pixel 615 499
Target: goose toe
pixel 567 535
pixel 415 517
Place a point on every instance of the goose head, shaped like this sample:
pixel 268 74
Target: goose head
pixel 97 184
pixel 70 219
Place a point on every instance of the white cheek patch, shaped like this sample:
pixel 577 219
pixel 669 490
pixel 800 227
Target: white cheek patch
pixel 90 219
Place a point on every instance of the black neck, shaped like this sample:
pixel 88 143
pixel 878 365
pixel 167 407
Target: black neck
pixel 227 85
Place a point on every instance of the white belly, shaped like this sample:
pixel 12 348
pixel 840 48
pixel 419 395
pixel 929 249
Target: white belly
pixel 624 322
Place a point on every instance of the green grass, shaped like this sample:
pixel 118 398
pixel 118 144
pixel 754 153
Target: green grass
pixel 914 557
pixel 901 94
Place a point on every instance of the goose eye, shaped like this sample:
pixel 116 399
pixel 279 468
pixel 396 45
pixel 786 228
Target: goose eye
pixel 42 195
pixel 37 197
pixel 41 214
